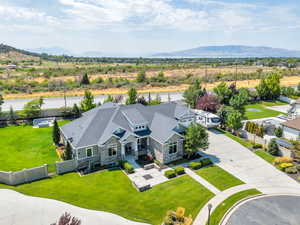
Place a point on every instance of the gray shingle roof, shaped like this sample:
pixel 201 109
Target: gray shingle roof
pixel 96 126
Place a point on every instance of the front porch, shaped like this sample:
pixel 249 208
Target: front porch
pixel 135 148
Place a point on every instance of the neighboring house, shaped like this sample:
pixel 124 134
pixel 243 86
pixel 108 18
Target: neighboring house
pixel 291 129
pixel 294 111
pixel 111 132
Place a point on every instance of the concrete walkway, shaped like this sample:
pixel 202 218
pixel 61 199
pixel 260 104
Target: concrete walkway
pixel 202 181
pixel 19 209
pixel 201 218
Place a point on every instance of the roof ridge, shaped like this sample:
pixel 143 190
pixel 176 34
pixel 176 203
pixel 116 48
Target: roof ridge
pixel 93 115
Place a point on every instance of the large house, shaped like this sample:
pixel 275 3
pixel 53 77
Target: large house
pixel 111 132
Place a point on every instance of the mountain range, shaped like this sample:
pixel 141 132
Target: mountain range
pixel 231 51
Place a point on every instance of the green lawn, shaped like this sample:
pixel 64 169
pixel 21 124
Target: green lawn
pixel 266 156
pixel 264 112
pixel 273 103
pixel 219 177
pixel 26 147
pixel 112 191
pixel 221 209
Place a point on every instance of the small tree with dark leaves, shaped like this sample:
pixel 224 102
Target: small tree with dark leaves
pixel 85 80
pixel 76 111
pixel 67 219
pixel 273 147
pixel 208 103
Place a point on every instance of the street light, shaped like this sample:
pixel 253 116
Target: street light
pixel 209 206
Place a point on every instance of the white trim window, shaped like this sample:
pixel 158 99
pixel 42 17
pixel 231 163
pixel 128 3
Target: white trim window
pixel 112 150
pixel 89 152
pixel 172 148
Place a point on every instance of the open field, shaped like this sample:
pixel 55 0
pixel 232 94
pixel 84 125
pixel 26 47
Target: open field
pixel 219 177
pixel 26 147
pixel 285 81
pixel 112 191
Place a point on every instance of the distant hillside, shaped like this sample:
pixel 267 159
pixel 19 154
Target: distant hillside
pixel 231 51
pixel 52 51
pixel 14 54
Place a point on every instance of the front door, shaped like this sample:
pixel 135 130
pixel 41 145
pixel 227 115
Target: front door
pixel 128 149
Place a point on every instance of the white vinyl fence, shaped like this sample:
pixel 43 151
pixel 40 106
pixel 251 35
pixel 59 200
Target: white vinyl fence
pixel 66 166
pixel 24 176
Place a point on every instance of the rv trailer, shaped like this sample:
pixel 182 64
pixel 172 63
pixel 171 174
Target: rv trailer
pixel 207 119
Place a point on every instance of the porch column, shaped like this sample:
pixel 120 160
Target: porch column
pixel 135 148
pixel 123 151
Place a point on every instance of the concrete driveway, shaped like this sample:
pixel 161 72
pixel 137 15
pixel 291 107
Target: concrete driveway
pixel 18 209
pixel 248 167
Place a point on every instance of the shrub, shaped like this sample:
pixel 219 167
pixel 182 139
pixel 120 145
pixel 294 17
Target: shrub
pixel 206 162
pixel 284 166
pixel 298 167
pixel 278 132
pixel 273 147
pixel 284 159
pixel 291 170
pixel 257 146
pixel 128 167
pixel 170 174
pixel 179 170
pixel 195 165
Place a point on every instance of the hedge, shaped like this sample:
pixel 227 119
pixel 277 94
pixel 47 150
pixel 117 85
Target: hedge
pixel 128 167
pixel 170 174
pixel 195 165
pixel 206 162
pixel 179 170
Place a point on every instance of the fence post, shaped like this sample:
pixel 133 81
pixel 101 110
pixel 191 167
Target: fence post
pixel 25 175
pixel 10 177
pixel 46 169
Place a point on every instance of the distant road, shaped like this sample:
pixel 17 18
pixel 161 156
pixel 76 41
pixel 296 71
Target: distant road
pixel 58 102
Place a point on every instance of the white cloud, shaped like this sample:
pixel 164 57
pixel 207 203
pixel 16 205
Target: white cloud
pixel 22 15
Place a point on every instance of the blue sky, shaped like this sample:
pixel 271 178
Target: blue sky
pixel 139 27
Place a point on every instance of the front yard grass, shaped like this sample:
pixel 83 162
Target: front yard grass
pixel 266 156
pixel 26 147
pixel 113 192
pixel 221 209
pixel 263 111
pixel 219 177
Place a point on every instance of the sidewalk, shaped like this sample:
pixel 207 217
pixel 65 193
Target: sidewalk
pixel 202 216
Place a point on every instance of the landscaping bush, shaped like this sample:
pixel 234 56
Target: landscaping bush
pixel 206 162
pixel 128 167
pixel 257 146
pixel 179 170
pixel 291 170
pixel 195 165
pixel 298 167
pixel 278 132
pixel 170 174
pixel 284 166
pixel 273 147
pixel 284 159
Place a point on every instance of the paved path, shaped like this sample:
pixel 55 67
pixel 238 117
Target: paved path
pixel 248 167
pixel 201 218
pixel 18 209
pixel 202 181
pixel 245 165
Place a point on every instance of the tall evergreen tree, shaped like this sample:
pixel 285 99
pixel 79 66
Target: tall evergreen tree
pixel 55 133
pixel 85 80
pixel 12 116
pixel 88 101
pixel 76 111
pixel 132 96
pixel 68 152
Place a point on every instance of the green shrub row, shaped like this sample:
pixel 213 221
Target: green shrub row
pixel 201 163
pixel 179 170
pixel 170 174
